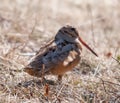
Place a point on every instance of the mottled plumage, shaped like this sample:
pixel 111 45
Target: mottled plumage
pixel 59 56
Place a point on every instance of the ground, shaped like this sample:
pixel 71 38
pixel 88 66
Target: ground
pixel 26 25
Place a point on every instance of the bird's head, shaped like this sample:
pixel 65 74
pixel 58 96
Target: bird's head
pixel 71 35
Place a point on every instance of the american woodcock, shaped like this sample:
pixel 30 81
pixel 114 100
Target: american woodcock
pixel 60 55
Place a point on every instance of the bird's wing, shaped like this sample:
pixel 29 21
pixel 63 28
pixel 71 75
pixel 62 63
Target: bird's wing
pixel 37 61
pixel 51 56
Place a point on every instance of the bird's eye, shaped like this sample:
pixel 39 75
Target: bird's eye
pixel 73 29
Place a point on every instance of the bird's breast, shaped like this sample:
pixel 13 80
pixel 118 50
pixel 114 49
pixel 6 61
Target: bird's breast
pixel 68 64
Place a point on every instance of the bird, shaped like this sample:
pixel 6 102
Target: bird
pixel 58 56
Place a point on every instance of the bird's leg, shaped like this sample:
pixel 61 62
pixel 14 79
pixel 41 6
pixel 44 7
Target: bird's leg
pixel 60 78
pixel 43 72
pixel 43 80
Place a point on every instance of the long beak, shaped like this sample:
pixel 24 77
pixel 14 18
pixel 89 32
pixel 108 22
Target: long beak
pixel 87 46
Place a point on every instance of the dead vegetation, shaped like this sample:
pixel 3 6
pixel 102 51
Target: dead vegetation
pixel 26 25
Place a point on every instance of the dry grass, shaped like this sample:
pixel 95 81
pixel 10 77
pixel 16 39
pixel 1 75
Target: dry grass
pixel 26 25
